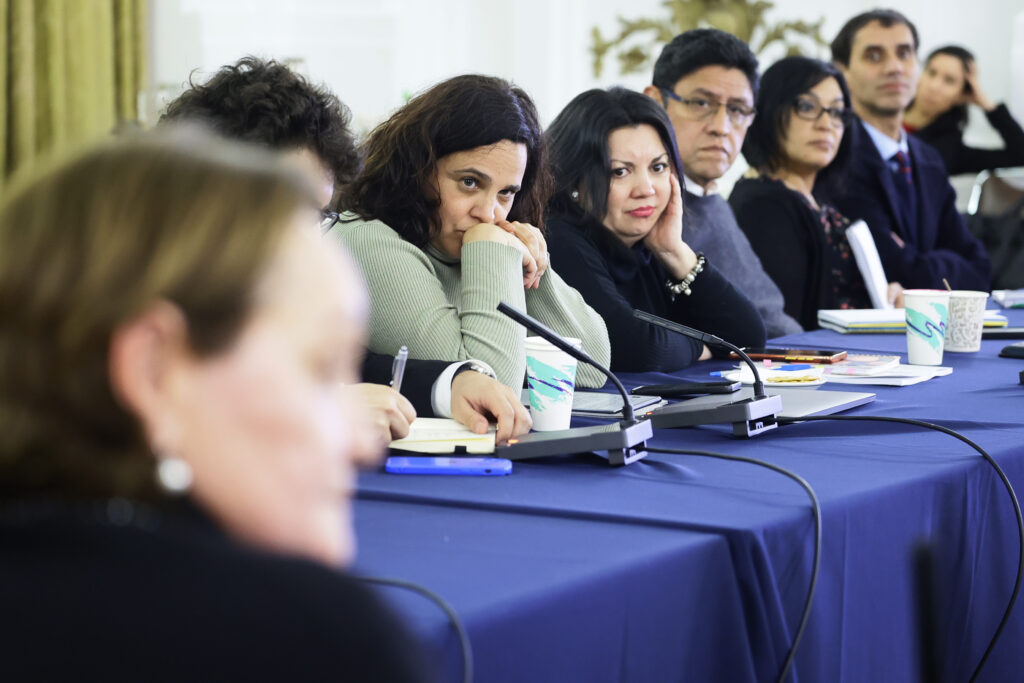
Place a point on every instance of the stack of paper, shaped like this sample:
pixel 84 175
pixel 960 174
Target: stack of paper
pixel 862 365
pixel 899 376
pixel 875 321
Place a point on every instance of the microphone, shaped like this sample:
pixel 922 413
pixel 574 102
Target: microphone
pixel 749 416
pixel 624 441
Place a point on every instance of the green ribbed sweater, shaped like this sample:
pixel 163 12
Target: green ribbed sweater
pixel 447 310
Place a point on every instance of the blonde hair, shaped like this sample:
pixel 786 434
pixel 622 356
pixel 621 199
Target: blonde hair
pixel 91 243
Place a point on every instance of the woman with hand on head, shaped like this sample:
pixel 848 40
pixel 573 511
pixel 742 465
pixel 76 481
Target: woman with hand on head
pixel 797 139
pixel 178 456
pixel 616 231
pixel 938 114
pixel 443 220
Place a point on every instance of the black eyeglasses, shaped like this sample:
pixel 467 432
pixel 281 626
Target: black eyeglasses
pixel 328 219
pixel 809 109
pixel 699 108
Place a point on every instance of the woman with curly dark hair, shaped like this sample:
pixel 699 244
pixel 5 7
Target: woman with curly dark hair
pixel 266 103
pixel 443 220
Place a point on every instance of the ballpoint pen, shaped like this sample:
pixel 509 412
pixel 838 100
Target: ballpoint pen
pixel 398 368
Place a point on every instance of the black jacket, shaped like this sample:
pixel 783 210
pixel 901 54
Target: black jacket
pixel 947 137
pixel 615 279
pixel 787 237
pixel 88 592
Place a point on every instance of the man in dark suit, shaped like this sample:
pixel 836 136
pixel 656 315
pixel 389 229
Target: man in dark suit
pixel 897 184
pixel 266 103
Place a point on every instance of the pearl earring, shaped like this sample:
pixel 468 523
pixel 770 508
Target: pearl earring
pixel 575 195
pixel 174 475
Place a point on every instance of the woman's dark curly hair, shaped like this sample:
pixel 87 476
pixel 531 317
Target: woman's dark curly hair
pixel 398 184
pixel 267 103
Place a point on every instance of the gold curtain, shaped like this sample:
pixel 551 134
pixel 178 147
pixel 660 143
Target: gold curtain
pixel 70 71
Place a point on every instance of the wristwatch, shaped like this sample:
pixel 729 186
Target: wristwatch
pixel 473 366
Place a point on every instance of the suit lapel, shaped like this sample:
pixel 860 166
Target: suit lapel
pixel 877 167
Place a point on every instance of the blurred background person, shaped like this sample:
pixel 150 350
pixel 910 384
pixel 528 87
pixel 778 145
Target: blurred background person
pixel 617 232
pixel 177 458
pixel 938 114
pixel 266 103
pixel 803 110
pixel 444 220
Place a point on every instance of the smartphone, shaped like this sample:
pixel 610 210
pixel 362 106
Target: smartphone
pixel 405 464
pixel 721 386
pixel 794 355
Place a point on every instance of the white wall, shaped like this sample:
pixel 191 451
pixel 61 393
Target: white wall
pixel 372 52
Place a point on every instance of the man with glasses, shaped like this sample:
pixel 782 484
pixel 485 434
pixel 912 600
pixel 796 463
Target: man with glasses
pixel 897 184
pixel 706 79
pixel 266 103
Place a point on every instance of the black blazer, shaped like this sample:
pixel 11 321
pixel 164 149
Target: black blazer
pixel 161 594
pixel 939 246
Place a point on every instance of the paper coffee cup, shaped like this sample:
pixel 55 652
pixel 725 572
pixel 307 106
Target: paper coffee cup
pixel 551 377
pixel 927 313
pixel 966 320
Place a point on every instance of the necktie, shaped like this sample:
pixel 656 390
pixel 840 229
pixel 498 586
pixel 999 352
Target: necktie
pixel 903 167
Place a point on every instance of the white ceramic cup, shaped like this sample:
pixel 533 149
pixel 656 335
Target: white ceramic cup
pixel 927 312
pixel 966 320
pixel 551 377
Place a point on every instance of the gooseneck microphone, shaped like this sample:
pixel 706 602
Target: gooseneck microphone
pixel 749 416
pixel 624 441
pixel 707 339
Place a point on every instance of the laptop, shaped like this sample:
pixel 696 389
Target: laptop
pixel 803 402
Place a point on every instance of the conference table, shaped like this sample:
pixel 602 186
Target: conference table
pixel 688 568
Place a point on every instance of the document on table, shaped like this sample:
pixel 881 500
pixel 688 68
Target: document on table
pixel 899 376
pixel 875 321
pixel 869 264
pixel 443 435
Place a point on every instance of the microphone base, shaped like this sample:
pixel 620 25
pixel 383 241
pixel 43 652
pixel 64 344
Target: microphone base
pixel 749 417
pixel 620 442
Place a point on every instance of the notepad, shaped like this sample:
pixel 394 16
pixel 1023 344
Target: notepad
pixel 878 321
pixel 443 435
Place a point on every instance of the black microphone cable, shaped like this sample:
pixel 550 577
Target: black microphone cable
pixel 1002 476
pixel 460 629
pixel 815 509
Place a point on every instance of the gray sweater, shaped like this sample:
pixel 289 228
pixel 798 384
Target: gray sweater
pixel 447 310
pixel 709 226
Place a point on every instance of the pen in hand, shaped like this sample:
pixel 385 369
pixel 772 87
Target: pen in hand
pixel 398 368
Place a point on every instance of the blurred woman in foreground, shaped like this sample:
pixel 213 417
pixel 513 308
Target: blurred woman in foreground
pixel 177 459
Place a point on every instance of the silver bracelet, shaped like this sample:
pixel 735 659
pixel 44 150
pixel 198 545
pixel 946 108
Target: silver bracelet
pixel 683 286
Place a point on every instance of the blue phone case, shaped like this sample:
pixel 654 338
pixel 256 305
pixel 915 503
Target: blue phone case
pixel 400 464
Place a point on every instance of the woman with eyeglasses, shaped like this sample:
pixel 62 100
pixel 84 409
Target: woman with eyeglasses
pixel 798 138
pixel 617 233
pixel 443 220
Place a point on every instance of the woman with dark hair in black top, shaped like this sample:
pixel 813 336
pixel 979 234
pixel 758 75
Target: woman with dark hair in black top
pixel 616 233
pixel 797 139
pixel 938 114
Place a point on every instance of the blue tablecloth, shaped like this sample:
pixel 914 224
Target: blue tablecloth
pixel 686 568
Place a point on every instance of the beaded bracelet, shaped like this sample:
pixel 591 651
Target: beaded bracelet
pixel 683 286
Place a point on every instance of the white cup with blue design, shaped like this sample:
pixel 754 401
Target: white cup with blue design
pixel 551 378
pixel 927 317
